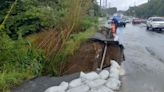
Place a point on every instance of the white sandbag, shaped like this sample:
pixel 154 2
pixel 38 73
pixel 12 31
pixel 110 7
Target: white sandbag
pixel 64 85
pixel 96 83
pixel 61 88
pixel 114 75
pixel 122 71
pixel 75 83
pixel 116 38
pixel 114 70
pixel 89 76
pixel 113 84
pixel 82 88
pixel 104 74
pixel 114 64
pixel 101 89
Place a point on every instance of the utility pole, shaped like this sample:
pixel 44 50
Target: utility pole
pixel 101 7
pixel 100 3
pixel 106 4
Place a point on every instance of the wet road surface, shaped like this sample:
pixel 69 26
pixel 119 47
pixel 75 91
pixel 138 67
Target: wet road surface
pixel 144 65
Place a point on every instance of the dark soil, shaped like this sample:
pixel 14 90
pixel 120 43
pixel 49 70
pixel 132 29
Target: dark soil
pixel 88 57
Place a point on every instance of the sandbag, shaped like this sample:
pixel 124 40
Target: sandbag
pixel 122 71
pixel 113 84
pixel 61 88
pixel 114 75
pixel 95 83
pixel 104 74
pixel 116 38
pixel 114 64
pixel 114 70
pixel 89 76
pixel 101 89
pixel 75 83
pixel 82 88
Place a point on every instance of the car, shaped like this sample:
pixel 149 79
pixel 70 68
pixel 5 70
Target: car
pixel 127 20
pixel 155 23
pixel 122 23
pixel 136 21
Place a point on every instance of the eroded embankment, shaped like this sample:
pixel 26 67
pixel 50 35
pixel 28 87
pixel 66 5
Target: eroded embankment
pixel 88 57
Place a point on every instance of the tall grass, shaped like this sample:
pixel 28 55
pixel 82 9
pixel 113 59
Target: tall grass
pixel 74 42
pixel 55 40
pixel 18 61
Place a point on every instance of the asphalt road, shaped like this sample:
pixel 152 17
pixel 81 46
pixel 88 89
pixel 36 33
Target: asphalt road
pixel 144 65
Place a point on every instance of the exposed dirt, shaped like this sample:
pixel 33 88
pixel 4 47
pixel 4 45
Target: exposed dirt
pixel 88 57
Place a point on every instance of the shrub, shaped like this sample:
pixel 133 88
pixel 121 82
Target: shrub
pixel 30 16
pixel 18 61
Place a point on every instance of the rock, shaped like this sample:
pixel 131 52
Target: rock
pixel 61 88
pixel 104 74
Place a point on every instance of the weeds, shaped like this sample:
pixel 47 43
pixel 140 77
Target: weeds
pixel 18 61
pixel 55 41
pixel 74 42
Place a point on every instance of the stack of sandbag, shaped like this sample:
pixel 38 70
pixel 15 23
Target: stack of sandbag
pixel 105 81
pixel 61 88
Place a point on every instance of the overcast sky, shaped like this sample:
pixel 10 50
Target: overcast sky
pixel 122 4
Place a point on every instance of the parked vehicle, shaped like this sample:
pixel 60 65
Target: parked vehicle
pixel 155 23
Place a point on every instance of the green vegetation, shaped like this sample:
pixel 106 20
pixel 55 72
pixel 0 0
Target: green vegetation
pixel 74 42
pixel 29 16
pixel 18 61
pixel 59 27
pixel 152 8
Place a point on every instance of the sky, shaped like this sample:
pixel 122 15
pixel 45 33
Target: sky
pixel 122 4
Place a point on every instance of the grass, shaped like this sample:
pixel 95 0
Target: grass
pixel 13 78
pixel 19 61
pixel 76 39
pixel 70 47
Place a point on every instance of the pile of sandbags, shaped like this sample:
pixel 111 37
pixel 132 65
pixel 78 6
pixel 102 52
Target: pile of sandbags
pixel 105 81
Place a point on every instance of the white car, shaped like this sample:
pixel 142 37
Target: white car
pixel 155 23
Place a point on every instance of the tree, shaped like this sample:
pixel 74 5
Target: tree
pixel 152 8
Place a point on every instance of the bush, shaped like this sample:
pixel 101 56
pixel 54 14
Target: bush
pixel 88 22
pixel 18 61
pixel 30 16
